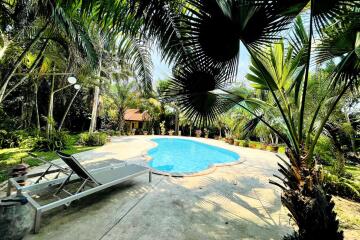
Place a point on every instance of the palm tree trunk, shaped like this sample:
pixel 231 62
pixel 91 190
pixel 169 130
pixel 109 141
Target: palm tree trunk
pixel 19 61
pixel 67 110
pixel 176 121
pixel 95 106
pixel 50 117
pixel 37 109
pixel 121 121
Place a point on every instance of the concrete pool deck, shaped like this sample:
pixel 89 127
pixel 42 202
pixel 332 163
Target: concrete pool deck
pixel 233 202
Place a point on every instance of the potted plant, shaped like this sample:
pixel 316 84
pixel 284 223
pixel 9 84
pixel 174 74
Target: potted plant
pixel 274 148
pixel 246 143
pixel 145 132
pixel 252 145
pixel 263 146
pixel 206 132
pixel 231 140
pixel 171 132
pixel 237 142
pixel 198 133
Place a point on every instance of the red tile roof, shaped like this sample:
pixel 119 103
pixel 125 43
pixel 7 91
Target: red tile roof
pixel 136 115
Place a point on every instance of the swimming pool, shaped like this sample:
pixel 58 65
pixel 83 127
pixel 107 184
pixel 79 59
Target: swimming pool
pixel 182 156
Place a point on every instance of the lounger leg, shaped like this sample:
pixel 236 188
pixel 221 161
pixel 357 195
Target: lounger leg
pixel 63 184
pixel 43 174
pixel 37 220
pixel 9 186
pixel 150 176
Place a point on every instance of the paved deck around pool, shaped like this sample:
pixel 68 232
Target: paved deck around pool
pixel 233 202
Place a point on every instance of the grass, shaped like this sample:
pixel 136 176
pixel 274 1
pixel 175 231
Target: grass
pixel 355 172
pixel 12 156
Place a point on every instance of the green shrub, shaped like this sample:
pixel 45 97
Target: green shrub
pixel 324 151
pixel 342 187
pixel 57 141
pixel 8 139
pixel 93 139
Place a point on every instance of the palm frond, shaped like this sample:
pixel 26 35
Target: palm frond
pixel 192 89
pixel 325 12
pixel 137 54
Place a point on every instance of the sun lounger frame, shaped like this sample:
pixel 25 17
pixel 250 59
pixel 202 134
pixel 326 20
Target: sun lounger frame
pixel 26 191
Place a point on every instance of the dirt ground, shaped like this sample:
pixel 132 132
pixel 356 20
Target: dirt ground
pixel 349 216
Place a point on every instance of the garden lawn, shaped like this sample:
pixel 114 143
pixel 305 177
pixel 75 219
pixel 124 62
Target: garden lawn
pixel 12 156
pixel 355 172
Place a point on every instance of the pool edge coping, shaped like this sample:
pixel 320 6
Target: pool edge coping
pixel 212 168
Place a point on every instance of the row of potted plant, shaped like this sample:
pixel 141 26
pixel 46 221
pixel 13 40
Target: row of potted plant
pixel 252 144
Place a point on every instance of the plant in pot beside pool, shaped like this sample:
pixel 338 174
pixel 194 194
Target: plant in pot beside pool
pixel 206 133
pixel 273 148
pixel 237 142
pixel 198 133
pixel 231 140
pixel 171 132
pixel 246 143
pixel 252 144
pixel 145 132
pixel 263 146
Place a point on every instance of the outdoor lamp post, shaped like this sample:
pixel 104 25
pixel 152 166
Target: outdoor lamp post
pixel 78 88
pixel 50 118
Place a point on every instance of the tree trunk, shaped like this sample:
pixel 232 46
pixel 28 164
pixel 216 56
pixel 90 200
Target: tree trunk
pixel 67 110
pixel 190 130
pixel 176 121
pixel 121 121
pixel 37 109
pixel 95 106
pixel 50 120
pixel 19 61
pixel 94 110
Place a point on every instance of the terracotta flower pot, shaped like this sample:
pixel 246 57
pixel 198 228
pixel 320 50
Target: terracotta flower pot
pixel 274 149
pixel 252 145
pixel 231 141
pixel 236 143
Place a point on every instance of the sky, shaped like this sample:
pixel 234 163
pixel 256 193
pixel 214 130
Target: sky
pixel 162 71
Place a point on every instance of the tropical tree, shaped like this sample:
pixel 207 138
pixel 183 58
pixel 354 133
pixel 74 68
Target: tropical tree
pixel 210 34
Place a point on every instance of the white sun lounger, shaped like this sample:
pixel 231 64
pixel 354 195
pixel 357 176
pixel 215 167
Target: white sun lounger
pixel 96 180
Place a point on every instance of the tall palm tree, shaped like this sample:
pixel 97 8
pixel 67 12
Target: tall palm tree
pixel 211 32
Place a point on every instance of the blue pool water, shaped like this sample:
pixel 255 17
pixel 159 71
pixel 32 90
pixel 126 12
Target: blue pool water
pixel 174 155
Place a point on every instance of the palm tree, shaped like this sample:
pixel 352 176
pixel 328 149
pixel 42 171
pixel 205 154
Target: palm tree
pixel 115 52
pixel 211 32
pixel 46 21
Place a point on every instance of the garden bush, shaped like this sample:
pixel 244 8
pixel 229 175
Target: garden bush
pixel 323 150
pixel 8 139
pixel 93 139
pixel 342 187
pixel 57 141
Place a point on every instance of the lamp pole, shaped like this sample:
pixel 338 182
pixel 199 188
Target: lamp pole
pixel 78 88
pixel 50 118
